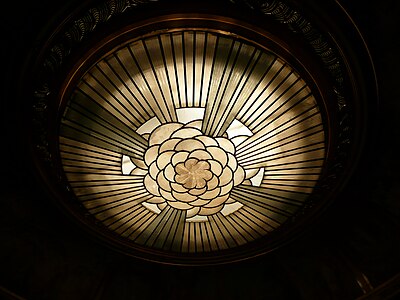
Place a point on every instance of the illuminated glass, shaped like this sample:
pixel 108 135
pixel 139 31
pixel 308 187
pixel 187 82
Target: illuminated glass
pixel 192 141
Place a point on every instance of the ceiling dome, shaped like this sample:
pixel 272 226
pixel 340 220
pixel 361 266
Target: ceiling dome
pixel 193 135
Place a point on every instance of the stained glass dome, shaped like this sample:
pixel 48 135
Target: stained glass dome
pixel 193 136
pixel 192 141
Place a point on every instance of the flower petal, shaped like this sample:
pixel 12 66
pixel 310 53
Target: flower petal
pixel 180 205
pixel 195 124
pixel 199 202
pixel 189 145
pixel 185 133
pixel 212 183
pixel 190 182
pixel 191 163
pixel 226 144
pixel 167 195
pixel 179 157
pixel 217 201
pixel 200 155
pixel 151 155
pixel 161 206
pixel 209 195
pixel 185 197
pixel 182 178
pixel 156 200
pixel 139 172
pixel 237 140
pixel 153 170
pixel 169 173
pixel 163 183
pixel 163 132
pixel 206 175
pixel 200 183
pixel 192 212
pixel 209 211
pixel 164 159
pixel 251 172
pixel 179 188
pixel 232 162
pixel 239 176
pixel 226 188
pixel 197 191
pixel 181 169
pixel 169 145
pixel 151 185
pixel 216 167
pixel 226 176
pixel 139 163
pixel 207 141
pixel 218 154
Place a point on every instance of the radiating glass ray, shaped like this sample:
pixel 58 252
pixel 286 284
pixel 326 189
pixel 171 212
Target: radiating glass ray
pixel 274 134
pixel 123 221
pixel 236 88
pixel 245 229
pixel 96 87
pixel 298 140
pixel 273 209
pixel 232 230
pixel 88 127
pixel 226 234
pixel 145 76
pixel 169 220
pixel 138 224
pixel 315 150
pixel 225 54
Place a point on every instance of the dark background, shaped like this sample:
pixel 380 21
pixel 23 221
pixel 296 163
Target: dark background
pixel 351 251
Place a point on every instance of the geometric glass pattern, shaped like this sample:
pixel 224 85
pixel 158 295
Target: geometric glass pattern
pixel 192 141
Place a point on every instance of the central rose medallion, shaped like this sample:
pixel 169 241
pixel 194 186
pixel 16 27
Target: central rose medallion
pixel 189 170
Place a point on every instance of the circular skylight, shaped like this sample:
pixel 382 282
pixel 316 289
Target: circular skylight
pixel 197 133
pixel 191 141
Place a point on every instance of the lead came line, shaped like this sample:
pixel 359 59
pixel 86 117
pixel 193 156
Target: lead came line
pixel 161 45
pixel 96 89
pixel 159 113
pixel 95 138
pixel 135 210
pixel 251 222
pixel 132 81
pixel 235 219
pixel 267 85
pixel 123 82
pixel 168 105
pixel 98 122
pixel 282 142
pixel 225 240
pixel 194 69
pixel 262 136
pixel 169 240
pixel 116 88
pixel 235 103
pixel 179 100
pixel 203 68
pixel 142 221
pixel 211 102
pixel 212 113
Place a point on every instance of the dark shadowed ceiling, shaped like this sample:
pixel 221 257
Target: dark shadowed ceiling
pixel 350 251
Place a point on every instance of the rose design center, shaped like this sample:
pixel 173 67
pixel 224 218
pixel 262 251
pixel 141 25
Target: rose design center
pixel 189 170
pixel 193 174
